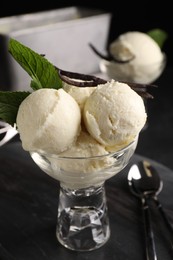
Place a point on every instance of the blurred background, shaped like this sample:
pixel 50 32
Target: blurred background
pixel 156 141
pixel 126 15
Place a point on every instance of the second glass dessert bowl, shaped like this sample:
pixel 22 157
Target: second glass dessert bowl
pixel 83 221
pixel 144 74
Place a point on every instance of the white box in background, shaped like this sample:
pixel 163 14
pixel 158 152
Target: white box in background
pixel 62 35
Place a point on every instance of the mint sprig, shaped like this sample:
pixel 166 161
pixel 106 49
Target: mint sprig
pixel 43 75
pixel 159 36
pixel 9 105
pixel 42 72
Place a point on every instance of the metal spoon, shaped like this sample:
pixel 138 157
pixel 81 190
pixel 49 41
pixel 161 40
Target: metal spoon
pixel 135 184
pixel 145 183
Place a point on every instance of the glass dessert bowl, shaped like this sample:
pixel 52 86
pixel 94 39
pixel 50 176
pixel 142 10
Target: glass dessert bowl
pixel 83 222
pixel 144 74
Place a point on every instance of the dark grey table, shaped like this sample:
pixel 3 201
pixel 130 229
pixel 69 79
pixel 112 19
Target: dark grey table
pixel 157 141
pixel 28 212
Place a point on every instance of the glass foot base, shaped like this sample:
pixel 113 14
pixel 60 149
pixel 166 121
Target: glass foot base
pixel 83 223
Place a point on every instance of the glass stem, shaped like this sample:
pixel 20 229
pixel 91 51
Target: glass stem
pixel 83 222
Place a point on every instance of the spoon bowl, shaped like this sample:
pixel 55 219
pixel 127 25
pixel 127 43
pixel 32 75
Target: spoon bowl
pixel 144 180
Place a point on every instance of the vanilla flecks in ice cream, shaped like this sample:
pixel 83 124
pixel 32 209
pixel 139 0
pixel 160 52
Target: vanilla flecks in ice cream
pixel 48 120
pixel 114 114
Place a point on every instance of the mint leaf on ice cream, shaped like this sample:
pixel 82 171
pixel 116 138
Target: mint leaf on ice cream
pixel 160 36
pixel 9 104
pixel 42 72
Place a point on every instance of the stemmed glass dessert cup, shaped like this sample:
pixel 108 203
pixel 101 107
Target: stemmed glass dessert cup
pixel 82 218
pixel 144 74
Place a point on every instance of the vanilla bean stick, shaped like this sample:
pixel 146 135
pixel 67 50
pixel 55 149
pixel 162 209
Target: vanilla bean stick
pixel 85 80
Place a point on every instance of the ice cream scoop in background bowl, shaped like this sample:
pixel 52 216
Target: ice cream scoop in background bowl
pixel 83 221
pixel 135 57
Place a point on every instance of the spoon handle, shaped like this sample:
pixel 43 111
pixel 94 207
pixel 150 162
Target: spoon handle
pixel 149 236
pixel 165 218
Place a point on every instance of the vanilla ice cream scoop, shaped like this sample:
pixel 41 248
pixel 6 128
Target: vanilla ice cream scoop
pixel 86 163
pixel 85 146
pixel 48 120
pixel 114 114
pixel 145 59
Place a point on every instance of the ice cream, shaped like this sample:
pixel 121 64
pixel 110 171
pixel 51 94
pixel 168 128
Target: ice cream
pixel 85 147
pixel 48 120
pixel 145 59
pixel 81 148
pixel 51 120
pixel 80 94
pixel 114 114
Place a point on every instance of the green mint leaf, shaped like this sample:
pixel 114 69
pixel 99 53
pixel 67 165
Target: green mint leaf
pixel 160 36
pixel 42 72
pixel 9 105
